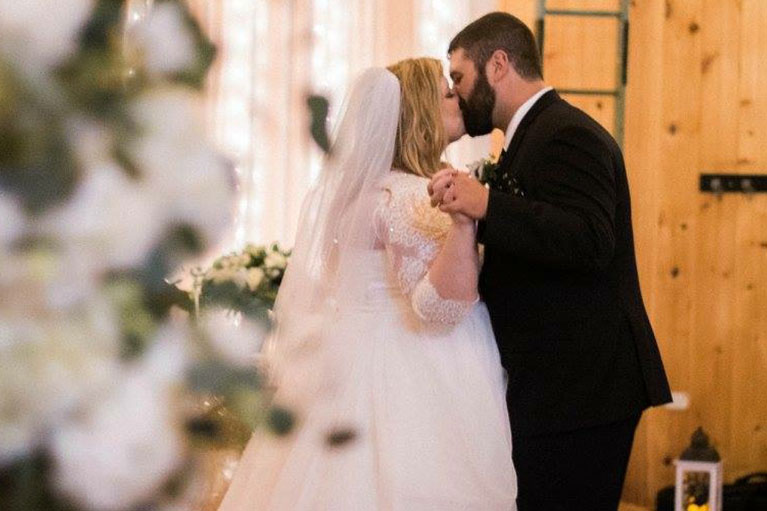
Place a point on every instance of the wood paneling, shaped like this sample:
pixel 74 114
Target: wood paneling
pixel 580 52
pixel 703 271
pixel 601 108
pixel 525 10
pixel 590 5
pixel 696 102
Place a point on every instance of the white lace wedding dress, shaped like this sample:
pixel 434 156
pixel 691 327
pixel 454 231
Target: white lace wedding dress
pixel 416 377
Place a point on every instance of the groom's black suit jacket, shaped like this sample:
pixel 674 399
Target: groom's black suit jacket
pixel 560 277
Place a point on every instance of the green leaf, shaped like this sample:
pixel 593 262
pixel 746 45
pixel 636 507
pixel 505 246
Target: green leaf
pixel 103 24
pixel 27 485
pixel 48 176
pixel 220 428
pixel 220 378
pixel 280 421
pixel 227 295
pixel 318 107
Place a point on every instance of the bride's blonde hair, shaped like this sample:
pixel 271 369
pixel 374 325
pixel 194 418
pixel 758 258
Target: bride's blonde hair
pixel 421 135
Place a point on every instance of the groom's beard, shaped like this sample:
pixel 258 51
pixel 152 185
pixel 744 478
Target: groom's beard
pixel 478 110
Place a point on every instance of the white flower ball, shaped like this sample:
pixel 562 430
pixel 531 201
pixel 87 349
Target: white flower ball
pixel 166 42
pixel 123 450
pixel 41 29
pixel 110 222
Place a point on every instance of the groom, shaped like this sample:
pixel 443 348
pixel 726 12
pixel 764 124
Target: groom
pixel 559 275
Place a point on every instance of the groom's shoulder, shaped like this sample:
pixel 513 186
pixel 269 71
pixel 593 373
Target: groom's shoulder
pixel 563 118
pixel 561 112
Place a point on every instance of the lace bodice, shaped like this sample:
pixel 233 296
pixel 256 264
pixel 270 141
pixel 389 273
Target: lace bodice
pixel 413 233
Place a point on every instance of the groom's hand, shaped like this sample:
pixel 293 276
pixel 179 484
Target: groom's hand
pixel 465 195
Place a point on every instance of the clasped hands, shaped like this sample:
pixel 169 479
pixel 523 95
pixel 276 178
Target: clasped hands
pixel 459 195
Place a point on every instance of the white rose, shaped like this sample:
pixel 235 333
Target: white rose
pixel 121 451
pixel 205 193
pixel 219 275
pixel 167 44
pixel 170 113
pixel 110 222
pixel 196 182
pixel 275 260
pixel 49 366
pixel 255 276
pixel 41 29
pixel 240 278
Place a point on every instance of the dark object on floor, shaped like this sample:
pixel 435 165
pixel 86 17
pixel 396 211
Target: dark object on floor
pixel 749 493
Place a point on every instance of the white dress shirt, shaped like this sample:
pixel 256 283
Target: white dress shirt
pixel 516 119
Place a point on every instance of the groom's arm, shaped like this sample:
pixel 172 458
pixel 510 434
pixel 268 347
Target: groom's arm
pixel 570 223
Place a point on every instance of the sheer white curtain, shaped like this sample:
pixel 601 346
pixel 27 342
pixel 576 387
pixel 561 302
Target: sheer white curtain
pixel 273 53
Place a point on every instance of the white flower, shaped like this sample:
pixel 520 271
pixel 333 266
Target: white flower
pixel 219 275
pixel 167 43
pixel 50 365
pixel 240 278
pixel 244 259
pixel 275 259
pixel 13 220
pixel 195 181
pixel 254 250
pixel 236 338
pixel 110 222
pixel 255 276
pixel 169 113
pixel 125 447
pixel 475 167
pixel 42 29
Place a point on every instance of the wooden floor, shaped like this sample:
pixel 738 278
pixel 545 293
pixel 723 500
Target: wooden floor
pixel 631 507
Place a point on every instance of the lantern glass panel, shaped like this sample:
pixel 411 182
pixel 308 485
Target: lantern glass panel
pixel 696 491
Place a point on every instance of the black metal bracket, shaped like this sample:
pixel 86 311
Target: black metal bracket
pixel 733 183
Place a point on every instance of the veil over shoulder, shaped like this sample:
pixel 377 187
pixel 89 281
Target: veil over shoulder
pixel 336 217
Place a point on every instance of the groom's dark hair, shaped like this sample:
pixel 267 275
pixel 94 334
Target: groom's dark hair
pixel 500 31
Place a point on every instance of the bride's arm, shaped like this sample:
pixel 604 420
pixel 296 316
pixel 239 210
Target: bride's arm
pixel 435 263
pixel 455 271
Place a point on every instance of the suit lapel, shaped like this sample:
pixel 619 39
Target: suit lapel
pixel 507 178
pixel 519 135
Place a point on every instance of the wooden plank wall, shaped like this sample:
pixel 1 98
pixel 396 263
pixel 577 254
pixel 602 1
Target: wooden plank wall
pixel 696 102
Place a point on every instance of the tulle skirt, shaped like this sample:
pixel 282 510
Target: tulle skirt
pixel 426 407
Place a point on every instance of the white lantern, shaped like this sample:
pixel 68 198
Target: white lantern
pixel 699 476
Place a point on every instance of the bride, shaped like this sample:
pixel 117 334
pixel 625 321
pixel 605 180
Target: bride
pixel 380 337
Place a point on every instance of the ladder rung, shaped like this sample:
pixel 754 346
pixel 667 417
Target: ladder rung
pixel 606 14
pixel 589 92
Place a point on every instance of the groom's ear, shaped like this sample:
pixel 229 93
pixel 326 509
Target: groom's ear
pixel 497 66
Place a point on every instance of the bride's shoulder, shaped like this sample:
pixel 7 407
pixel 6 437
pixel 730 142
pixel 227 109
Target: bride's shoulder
pixel 404 185
pixel 401 179
pixel 405 199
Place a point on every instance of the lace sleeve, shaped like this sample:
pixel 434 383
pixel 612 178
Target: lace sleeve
pixel 413 233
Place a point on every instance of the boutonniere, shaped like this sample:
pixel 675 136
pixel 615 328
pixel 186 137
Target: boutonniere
pixel 485 169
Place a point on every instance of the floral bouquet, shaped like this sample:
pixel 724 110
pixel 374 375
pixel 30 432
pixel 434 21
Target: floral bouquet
pixel 245 282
